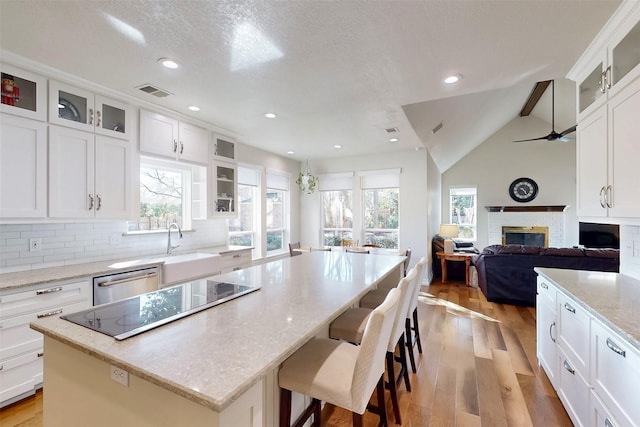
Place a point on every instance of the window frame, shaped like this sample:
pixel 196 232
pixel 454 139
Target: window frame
pixel 460 191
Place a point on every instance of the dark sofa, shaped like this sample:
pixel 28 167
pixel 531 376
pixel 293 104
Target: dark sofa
pixel 505 272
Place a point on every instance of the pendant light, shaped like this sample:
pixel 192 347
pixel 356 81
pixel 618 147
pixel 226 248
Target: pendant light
pixel 306 181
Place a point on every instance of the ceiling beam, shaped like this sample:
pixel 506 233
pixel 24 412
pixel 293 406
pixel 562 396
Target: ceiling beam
pixel 535 96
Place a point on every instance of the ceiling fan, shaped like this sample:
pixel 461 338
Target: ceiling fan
pixel 553 136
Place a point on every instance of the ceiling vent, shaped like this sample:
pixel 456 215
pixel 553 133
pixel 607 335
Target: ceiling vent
pixel 152 90
pixel 392 130
pixel 437 128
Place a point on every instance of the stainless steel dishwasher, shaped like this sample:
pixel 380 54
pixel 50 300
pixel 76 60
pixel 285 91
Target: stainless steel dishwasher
pixel 118 286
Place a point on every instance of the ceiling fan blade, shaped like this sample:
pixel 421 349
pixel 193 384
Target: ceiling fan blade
pixel 569 130
pixel 542 138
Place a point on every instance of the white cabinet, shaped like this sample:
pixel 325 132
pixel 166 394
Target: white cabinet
pixel 611 62
pixel 81 109
pixel 573 390
pixel 606 157
pixel 23 167
pixel 224 149
pixel 168 137
pixel 23 93
pixel 22 347
pixel 90 176
pixel 224 189
pixel 608 99
pixel 235 260
pixel 547 329
pixel 573 333
pixel 615 374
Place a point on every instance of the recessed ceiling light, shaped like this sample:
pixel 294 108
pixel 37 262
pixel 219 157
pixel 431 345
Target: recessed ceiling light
pixel 169 63
pixel 194 108
pixel 452 79
pixel 289 152
pixel 338 146
pixel 270 115
pixel 393 140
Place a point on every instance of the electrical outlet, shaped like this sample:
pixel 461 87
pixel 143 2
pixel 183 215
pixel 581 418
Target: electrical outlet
pixel 35 244
pixel 120 376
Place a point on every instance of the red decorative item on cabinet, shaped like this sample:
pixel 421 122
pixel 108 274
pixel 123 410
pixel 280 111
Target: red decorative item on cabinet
pixel 10 92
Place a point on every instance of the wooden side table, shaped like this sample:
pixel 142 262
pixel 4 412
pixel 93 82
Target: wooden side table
pixel 456 256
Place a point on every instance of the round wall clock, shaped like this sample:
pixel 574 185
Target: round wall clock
pixel 523 190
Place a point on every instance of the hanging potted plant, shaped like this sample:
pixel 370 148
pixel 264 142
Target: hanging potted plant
pixel 306 181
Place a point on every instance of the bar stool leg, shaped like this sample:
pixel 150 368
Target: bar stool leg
pixel 407 332
pixel 404 368
pixel 416 330
pixel 391 385
pixel 285 407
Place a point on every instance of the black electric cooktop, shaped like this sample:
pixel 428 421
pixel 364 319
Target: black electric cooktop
pixel 132 316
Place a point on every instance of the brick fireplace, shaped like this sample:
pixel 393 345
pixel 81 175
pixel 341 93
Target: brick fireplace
pixel 545 221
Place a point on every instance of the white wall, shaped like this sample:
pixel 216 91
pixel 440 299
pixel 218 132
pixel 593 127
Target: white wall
pixel 493 165
pixel 434 204
pixel 414 201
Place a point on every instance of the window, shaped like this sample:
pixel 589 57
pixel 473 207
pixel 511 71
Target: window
pixel 337 216
pixel 276 215
pixel 243 229
pixel 380 192
pixel 381 217
pixel 167 191
pixel 462 202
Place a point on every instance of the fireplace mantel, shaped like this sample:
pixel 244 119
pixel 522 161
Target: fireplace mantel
pixel 559 208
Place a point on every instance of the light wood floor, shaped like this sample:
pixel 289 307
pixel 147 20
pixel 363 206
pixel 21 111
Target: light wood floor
pixel 478 368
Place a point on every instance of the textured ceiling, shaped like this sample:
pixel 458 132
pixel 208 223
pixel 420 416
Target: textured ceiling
pixel 335 72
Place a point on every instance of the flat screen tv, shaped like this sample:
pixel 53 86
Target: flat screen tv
pixel 594 235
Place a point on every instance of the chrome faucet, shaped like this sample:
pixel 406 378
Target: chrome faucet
pixel 169 247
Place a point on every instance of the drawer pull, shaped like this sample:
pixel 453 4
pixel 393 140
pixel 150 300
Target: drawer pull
pixel 544 286
pixel 550 329
pixel 49 291
pixel 568 307
pixel 614 347
pixel 237 256
pixel 237 268
pixel 1 367
pixel 569 368
pixel 40 353
pixel 608 423
pixel 51 313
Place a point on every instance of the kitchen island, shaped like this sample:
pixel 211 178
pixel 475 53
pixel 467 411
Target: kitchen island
pixel 216 367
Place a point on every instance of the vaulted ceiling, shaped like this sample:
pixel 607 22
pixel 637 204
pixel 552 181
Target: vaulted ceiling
pixel 339 72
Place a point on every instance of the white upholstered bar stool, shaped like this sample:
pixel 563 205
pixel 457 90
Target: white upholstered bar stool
pixel 350 325
pixel 373 298
pixel 339 372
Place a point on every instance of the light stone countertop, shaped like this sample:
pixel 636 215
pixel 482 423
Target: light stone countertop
pixel 612 298
pixel 20 279
pixel 214 356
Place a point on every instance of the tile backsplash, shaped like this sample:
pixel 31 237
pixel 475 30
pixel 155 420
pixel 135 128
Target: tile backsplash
pixel 73 243
pixel 630 250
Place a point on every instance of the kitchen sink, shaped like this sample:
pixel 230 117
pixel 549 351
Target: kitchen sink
pixel 179 268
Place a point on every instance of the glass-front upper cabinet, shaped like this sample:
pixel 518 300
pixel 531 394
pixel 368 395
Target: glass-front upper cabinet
pixel 625 56
pixel 223 148
pixel 23 93
pixel 82 109
pixel 591 88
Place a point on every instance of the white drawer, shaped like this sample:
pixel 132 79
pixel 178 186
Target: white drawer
pixel 547 292
pixel 573 391
pixel 615 374
pixel 38 299
pixel 20 375
pixel 235 261
pixel 17 337
pixel 573 333
pixel 601 416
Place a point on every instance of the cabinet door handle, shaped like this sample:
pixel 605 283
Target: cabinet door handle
pixel 90 201
pixel 607 76
pixel 544 286
pixel 99 202
pixel 615 348
pixel 237 268
pixel 603 81
pixel 602 202
pixel 181 147
pixel 40 353
pixel 237 256
pixel 607 195
pixel 98 121
pixel 49 314
pixel 175 146
pixel 49 291
pixel 90 116
pixel 550 329
pixel 608 423
pixel 569 368
pixel 569 308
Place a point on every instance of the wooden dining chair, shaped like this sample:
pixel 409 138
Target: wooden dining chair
pixel 293 246
pixel 349 243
